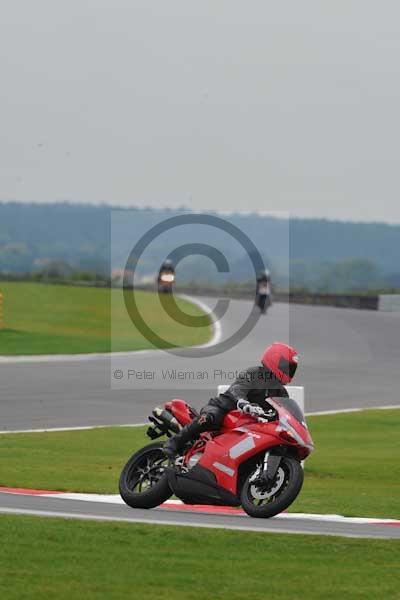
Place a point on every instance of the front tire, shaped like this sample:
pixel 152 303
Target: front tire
pixel 143 482
pixel 263 502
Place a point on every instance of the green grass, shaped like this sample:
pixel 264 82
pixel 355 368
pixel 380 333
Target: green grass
pixel 58 319
pixel 355 469
pixel 55 558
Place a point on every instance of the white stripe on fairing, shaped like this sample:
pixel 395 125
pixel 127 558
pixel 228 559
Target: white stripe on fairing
pixel 242 447
pixel 224 469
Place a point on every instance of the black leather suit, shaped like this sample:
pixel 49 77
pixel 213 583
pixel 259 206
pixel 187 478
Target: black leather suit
pixel 254 385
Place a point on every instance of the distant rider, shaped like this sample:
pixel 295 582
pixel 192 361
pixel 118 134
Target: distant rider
pixel 263 277
pixel 263 290
pixel 166 267
pixel 248 393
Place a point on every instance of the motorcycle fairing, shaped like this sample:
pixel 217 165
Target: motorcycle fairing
pixel 181 411
pixel 224 454
pixel 200 486
pixel 241 438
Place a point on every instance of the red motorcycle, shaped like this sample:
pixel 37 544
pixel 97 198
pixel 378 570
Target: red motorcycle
pixel 251 461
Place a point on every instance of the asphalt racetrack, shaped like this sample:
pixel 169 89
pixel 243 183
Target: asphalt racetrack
pixel 104 511
pixel 349 358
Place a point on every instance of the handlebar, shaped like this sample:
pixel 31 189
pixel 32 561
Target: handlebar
pixel 267 416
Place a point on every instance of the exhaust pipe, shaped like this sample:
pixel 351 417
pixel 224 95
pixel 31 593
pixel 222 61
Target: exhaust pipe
pixel 163 422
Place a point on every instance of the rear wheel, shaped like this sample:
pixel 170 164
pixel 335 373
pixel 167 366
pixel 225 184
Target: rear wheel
pixel 259 500
pixel 143 482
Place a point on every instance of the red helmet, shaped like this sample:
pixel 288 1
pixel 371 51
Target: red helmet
pixel 282 360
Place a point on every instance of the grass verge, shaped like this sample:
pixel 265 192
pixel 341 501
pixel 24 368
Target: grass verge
pixel 354 470
pixel 58 319
pixel 62 559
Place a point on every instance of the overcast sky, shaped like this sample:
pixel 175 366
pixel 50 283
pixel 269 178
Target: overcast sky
pixel 219 104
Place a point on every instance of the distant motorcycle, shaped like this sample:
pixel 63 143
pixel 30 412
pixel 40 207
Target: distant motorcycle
pixel 165 281
pixel 254 462
pixel 263 297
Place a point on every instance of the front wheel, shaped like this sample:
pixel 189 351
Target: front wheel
pixel 267 501
pixel 143 482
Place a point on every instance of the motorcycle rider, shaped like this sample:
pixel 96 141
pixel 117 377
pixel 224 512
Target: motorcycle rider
pixel 263 290
pixel 166 267
pixel 248 393
pixel 263 277
pixel 166 276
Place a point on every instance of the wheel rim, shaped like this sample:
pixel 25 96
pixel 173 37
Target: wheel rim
pixel 146 472
pixel 261 495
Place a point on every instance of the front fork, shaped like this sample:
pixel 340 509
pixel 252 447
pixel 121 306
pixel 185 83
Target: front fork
pixel 266 473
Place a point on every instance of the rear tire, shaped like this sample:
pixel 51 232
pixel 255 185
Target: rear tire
pixel 287 485
pixel 142 483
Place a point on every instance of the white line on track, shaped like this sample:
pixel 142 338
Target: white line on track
pixel 116 499
pixel 217 329
pixel 54 358
pixel 82 428
pixel 89 517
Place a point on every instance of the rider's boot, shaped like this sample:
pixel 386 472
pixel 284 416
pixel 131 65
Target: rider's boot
pixel 187 434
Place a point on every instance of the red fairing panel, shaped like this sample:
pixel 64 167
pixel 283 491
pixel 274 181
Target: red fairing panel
pixel 225 453
pixel 181 411
pixel 235 418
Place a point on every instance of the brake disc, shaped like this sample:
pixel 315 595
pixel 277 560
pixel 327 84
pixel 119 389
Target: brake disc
pixel 263 494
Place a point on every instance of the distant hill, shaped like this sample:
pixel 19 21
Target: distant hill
pixel 32 235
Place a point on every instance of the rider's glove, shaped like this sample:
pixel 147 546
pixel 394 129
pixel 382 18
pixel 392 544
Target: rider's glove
pixel 250 409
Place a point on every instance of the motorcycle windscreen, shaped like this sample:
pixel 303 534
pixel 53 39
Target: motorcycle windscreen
pixel 292 407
